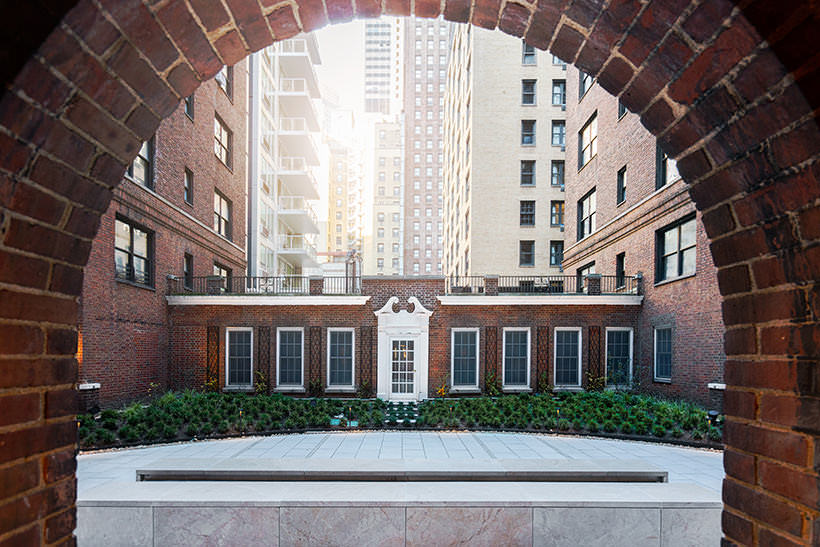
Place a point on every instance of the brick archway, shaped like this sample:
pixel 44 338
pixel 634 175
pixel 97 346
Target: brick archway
pixel 731 91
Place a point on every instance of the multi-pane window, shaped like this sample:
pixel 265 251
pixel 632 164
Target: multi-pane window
pixel 586 215
pixel 528 132
pixel 676 250
pixel 568 357
pixel 189 106
pixel 559 92
pixel 663 354
pixel 581 275
pixel 239 357
pixel 188 187
pixel 188 271
pixel 618 356
pixel 621 109
pixel 527 54
pixel 557 173
pixel 340 357
pixel 620 270
pixel 222 141
pixel 621 187
pixel 527 91
pixel 588 141
pixel 556 253
pixel 222 215
pixel 289 357
pixel 527 172
pixel 465 357
pixel 526 253
pixel 556 213
pixel 666 169
pixel 133 258
pixel 224 79
pixel 141 169
pixel 516 358
pixel 527 213
pixel 559 130
pixel 584 83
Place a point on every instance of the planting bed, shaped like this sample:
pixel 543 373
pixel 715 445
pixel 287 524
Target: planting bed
pixel 188 415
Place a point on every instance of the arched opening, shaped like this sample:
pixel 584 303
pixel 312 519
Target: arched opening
pixel 729 89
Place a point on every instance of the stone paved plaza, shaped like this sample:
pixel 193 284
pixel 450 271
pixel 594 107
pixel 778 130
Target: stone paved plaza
pixel 688 465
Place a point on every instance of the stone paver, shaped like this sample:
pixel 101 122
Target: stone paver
pixel 685 465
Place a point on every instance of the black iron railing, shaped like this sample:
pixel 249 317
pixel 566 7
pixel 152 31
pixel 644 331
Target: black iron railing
pixel 342 285
pixel 544 284
pixel 464 284
pixel 619 284
pixel 280 285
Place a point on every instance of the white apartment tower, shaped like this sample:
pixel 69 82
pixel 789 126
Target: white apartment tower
pixel 504 131
pixel 283 121
pixel 385 255
pixel 382 65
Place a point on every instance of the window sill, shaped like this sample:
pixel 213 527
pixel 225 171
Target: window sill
pixel 135 284
pixel 528 145
pixel 289 389
pixel 225 165
pixel 238 389
pixel 189 116
pixel 673 279
pixel 471 389
pixel 620 203
pixel 188 203
pixel 662 380
pixel 568 388
pixel 526 265
pixel 340 389
pixel 516 389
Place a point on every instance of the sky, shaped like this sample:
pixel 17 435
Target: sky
pixel 341 48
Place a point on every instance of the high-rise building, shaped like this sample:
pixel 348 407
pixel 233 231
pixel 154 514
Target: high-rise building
pixel 633 213
pixel 426 50
pixel 504 147
pixel 345 218
pixel 382 65
pixel 282 157
pixel 177 218
pixel 385 250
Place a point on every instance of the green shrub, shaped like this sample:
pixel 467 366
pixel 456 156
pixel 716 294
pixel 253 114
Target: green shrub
pixel 697 435
pixel 169 431
pixel 677 432
pixel 110 424
pixel 223 427
pixel 592 426
pixel 659 431
pixel 105 437
pixel 564 425
pixel 128 434
pixel 151 434
pixel 577 424
pixel 715 434
pixel 627 428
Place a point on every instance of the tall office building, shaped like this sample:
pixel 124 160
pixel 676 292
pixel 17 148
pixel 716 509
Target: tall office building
pixel 504 145
pixel 345 220
pixel 385 253
pixel 282 156
pixel 426 50
pixel 382 65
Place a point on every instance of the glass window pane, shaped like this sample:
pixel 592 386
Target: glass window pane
pixel 290 357
pixel 123 236
pixel 239 357
pixel 515 358
pixel 121 264
pixel 688 257
pixel 141 274
pixel 341 358
pixel 464 358
pixel 566 358
pixel 670 241
pixel 140 243
pixel 687 234
pixel 670 266
pixel 617 357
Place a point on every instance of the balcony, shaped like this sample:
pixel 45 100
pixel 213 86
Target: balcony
pixel 297 57
pixel 593 285
pixel 296 139
pixel 296 99
pixel 298 213
pixel 294 172
pixel 297 249
pixel 285 285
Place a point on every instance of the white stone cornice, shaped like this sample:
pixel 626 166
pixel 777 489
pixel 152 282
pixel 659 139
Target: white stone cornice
pixel 543 300
pixel 259 300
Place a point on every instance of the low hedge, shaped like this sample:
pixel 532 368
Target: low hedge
pixel 194 415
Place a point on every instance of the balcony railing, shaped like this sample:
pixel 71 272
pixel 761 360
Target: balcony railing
pixel 285 285
pixel 294 45
pixel 297 203
pixel 293 85
pixel 297 243
pixel 464 284
pixel 545 284
pixel 293 124
pixel 293 163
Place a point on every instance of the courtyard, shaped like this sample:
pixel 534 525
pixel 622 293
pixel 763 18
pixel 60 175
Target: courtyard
pixel 115 509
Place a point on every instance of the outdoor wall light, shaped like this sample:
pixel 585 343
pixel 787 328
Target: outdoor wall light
pixel 712 417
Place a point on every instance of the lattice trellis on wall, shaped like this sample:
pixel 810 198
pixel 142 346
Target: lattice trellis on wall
pixel 263 352
pixel 212 359
pixel 315 368
pixel 542 363
pixel 491 353
pixel 594 357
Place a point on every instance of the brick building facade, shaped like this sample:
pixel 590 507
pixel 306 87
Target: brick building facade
pixel 625 207
pixel 161 222
pixel 199 326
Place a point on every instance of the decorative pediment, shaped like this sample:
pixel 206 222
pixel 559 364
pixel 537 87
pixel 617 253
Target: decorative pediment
pixel 418 309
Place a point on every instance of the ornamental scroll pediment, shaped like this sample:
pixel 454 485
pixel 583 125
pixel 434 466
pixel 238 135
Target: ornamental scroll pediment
pixel 418 309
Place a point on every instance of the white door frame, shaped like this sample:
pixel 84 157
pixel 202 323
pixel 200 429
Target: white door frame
pixel 403 325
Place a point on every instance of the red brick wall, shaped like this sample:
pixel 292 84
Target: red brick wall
pixel 188 353
pixel 691 306
pixel 125 326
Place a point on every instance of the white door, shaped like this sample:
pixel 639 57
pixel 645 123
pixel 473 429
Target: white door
pixel 402 368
